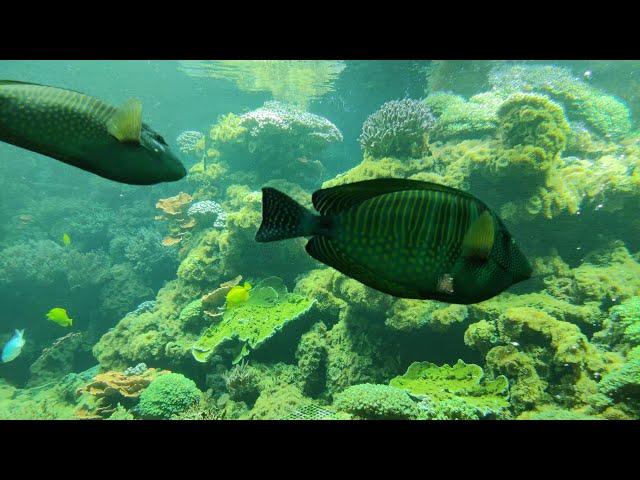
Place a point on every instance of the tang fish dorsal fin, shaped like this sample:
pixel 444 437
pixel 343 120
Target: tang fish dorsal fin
pixel 126 123
pixel 332 200
pixel 478 240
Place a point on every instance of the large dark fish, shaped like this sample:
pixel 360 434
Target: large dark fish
pixel 85 132
pixel 406 238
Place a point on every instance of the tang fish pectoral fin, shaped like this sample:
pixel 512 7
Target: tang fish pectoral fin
pixel 478 241
pixel 126 122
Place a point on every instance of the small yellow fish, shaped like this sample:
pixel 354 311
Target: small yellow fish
pixel 59 316
pixel 66 239
pixel 238 295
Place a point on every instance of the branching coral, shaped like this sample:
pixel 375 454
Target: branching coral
pixel 168 395
pixel 242 383
pixel 397 128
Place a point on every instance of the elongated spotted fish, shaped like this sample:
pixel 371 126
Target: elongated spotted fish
pixel 87 133
pixel 407 238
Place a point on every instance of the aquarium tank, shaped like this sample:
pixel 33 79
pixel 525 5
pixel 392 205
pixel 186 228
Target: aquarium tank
pixel 319 240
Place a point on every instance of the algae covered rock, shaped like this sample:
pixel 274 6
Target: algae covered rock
pixel 168 395
pixel 248 326
pixel 459 383
pixel 376 402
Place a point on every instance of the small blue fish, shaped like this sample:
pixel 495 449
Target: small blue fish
pixel 13 347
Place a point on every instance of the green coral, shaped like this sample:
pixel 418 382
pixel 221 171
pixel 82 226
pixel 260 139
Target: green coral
pixel 608 275
pixel 228 129
pixel 464 382
pixel 278 401
pixel 406 315
pixel 246 327
pixel 157 338
pixel 622 383
pixel 121 413
pixel 481 336
pixel 168 395
pixel 527 388
pixel 460 120
pixel 550 412
pixel 533 120
pixel 376 402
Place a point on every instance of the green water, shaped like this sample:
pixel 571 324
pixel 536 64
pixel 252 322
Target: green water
pixel 552 147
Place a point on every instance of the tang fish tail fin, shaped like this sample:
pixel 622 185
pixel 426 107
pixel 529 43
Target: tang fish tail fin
pixel 283 217
pixel 20 333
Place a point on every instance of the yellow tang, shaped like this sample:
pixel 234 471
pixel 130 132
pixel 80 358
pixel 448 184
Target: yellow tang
pixel 238 295
pixel 59 316
pixel 66 239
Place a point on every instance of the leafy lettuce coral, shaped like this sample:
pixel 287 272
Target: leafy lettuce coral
pixel 246 327
pixel 462 383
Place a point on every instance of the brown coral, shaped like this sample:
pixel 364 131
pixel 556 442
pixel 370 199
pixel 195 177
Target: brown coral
pixel 113 387
pixel 175 205
pixel 212 301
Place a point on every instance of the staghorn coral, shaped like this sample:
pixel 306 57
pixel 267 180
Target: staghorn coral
pixel 242 383
pixel 208 212
pixel 397 128
pixel 190 141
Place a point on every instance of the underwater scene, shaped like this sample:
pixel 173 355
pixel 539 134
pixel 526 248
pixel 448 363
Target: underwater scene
pixel 319 240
